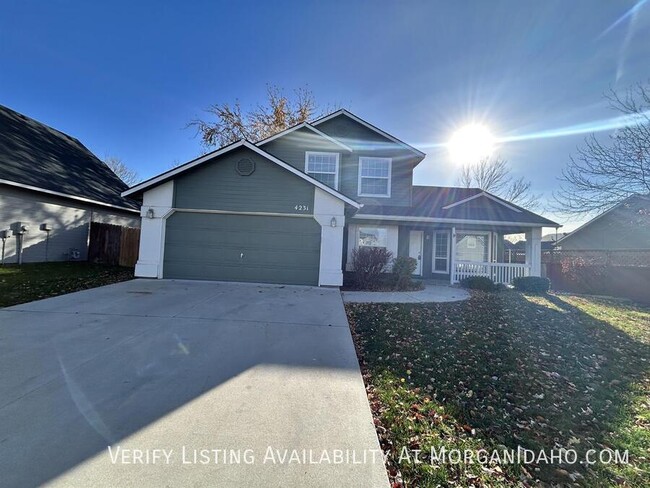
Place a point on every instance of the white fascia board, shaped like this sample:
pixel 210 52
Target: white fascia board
pixel 482 194
pixel 369 126
pixel 179 169
pixel 242 143
pixel 66 195
pixel 306 126
pixel 444 220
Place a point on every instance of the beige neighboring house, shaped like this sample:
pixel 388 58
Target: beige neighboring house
pixel 626 226
pixel 51 188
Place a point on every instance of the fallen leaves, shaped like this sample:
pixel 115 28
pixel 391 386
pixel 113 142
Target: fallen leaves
pixel 505 370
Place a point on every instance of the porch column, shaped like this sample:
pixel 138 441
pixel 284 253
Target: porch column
pixel 500 248
pixel 452 256
pixel 534 251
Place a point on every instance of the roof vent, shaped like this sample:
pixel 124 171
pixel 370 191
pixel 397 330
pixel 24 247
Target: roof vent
pixel 245 167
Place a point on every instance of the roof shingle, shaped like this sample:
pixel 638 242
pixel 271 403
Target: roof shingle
pixel 429 202
pixel 33 154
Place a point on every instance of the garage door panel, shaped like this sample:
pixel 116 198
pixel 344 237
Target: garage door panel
pixel 242 248
pixel 249 239
pixel 232 255
pixel 193 271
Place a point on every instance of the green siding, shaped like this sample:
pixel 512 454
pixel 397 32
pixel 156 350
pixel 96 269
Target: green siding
pixel 217 186
pixel 208 246
pixel 366 142
pixel 292 147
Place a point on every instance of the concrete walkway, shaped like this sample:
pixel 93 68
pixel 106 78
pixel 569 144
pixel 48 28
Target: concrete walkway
pixel 430 294
pixel 190 383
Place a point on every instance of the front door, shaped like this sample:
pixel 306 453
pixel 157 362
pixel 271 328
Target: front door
pixel 415 249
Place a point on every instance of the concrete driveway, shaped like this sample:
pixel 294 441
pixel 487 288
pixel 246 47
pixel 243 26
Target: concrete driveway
pixel 190 383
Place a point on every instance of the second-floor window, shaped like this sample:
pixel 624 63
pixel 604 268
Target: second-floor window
pixel 324 166
pixel 374 177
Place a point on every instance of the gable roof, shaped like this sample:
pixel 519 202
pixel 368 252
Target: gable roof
pixel 36 157
pixel 453 204
pixel 485 195
pixel 622 207
pixel 302 125
pixel 368 125
pixel 161 178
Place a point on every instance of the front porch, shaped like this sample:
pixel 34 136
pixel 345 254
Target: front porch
pixel 451 252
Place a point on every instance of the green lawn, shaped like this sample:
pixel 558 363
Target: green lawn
pixel 504 370
pixel 20 284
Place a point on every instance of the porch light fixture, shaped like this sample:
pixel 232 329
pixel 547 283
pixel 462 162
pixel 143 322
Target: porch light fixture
pixel 150 213
pixel 333 222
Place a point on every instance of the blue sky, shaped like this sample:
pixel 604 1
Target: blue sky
pixel 125 77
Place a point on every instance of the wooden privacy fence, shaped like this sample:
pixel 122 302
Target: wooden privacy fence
pixel 113 244
pixel 624 273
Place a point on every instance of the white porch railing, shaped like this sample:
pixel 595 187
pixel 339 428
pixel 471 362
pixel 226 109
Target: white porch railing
pixel 498 272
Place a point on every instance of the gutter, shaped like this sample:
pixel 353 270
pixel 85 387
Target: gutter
pixel 65 195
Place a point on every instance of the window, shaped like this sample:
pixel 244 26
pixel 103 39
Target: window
pixel 472 247
pixel 324 167
pixel 441 252
pixel 374 177
pixel 373 237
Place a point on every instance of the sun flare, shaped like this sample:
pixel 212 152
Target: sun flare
pixel 471 143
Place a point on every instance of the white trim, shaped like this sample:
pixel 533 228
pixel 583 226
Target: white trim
pixel 389 178
pixel 433 252
pixel 336 171
pixel 443 220
pixel 305 125
pixel 65 195
pixel 482 194
pixel 369 126
pixel 242 143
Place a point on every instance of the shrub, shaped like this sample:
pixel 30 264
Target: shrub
pixel 478 283
pixel 403 269
pixel 368 264
pixel 532 284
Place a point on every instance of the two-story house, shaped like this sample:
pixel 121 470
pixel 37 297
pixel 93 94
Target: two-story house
pixel 291 209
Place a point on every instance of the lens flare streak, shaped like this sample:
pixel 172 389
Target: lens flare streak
pixel 587 128
pixel 571 130
pixel 622 18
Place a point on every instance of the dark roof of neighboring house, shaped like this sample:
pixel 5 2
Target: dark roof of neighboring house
pixel 628 221
pixel 554 236
pixel 430 202
pixel 35 155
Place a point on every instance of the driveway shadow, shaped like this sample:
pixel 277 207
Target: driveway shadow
pixel 157 365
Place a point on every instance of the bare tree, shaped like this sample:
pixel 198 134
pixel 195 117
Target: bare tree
pixel 492 174
pixel 602 174
pixel 229 123
pixel 126 174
